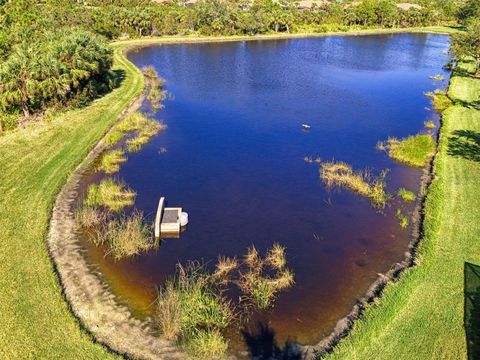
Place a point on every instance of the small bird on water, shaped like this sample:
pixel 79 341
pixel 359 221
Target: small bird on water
pixel 306 126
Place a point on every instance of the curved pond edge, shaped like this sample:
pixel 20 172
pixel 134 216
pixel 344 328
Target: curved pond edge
pixel 90 299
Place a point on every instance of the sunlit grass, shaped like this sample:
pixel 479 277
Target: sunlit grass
pixel 403 220
pixel 406 195
pixel 113 195
pixel 440 100
pixel 342 175
pixel 414 150
pixel 127 236
pixel 429 124
pixel 207 344
pixel 111 160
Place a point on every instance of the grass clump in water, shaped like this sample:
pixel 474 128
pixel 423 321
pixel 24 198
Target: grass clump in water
pixel 440 100
pixel 264 278
pixel 406 195
pixel 156 91
pixel 127 236
pixel 110 194
pixel 341 174
pixel 402 219
pixel 134 122
pixel 111 160
pixel 192 310
pixel 91 217
pixel 429 124
pixel 414 150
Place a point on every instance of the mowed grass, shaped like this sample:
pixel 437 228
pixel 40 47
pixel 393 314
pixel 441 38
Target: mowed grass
pixel 34 164
pixel 421 315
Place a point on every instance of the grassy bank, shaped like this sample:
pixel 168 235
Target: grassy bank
pixel 421 315
pixel 34 163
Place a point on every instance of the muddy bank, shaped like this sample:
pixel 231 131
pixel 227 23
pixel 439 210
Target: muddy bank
pixel 89 298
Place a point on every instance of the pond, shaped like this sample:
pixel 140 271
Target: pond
pixel 233 158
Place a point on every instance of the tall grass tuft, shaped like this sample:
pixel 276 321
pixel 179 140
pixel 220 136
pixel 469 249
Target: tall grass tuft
pixel 207 344
pixel 414 150
pixel 156 92
pixel 342 174
pixel 261 279
pixel 128 236
pixel 224 267
pixel 440 100
pixel 406 195
pixel 111 160
pixel 110 194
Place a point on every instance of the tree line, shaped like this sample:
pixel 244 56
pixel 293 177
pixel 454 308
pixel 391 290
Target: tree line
pixel 55 52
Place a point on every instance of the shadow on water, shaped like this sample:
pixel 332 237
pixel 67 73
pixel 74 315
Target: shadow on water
pixel 261 344
pixel 466 144
pixel 471 317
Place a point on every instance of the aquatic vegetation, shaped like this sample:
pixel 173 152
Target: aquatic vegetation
pixel 429 124
pixel 156 92
pixel 341 174
pixel 207 344
pixel 437 77
pixel 91 217
pixel 224 267
pixel 145 129
pixel 402 218
pixel 440 100
pixel 111 160
pixel 192 310
pixel 406 195
pixel 414 150
pixel 113 195
pixel 134 122
pixel 127 236
pixel 264 278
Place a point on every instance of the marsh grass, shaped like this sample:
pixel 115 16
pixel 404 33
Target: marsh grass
pixel 192 307
pixel 342 175
pixel 91 217
pixel 261 279
pixel 403 220
pixel 127 236
pixel 414 150
pixel 406 195
pixel 111 160
pixel 440 100
pixel 156 92
pixel 192 310
pixel 207 344
pixel 115 196
pixel 137 123
pixel 437 77
pixel 429 124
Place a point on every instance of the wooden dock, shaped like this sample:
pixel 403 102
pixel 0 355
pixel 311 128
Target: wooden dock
pixel 167 220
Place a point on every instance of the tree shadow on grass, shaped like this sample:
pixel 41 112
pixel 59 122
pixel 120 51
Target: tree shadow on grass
pixel 465 144
pixel 261 344
pixel 471 317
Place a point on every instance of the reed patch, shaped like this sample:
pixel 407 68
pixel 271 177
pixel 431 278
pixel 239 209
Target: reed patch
pixel 414 150
pixel 110 194
pixel 440 100
pixel 340 174
pixel 111 160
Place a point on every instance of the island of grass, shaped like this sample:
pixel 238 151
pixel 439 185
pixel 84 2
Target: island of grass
pixel 414 150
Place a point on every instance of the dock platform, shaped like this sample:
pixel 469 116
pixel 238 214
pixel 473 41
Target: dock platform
pixel 167 220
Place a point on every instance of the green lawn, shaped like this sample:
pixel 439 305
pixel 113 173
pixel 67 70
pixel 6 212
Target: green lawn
pixel 34 163
pixel 421 315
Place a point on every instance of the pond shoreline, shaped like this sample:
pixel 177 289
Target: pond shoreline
pixel 100 307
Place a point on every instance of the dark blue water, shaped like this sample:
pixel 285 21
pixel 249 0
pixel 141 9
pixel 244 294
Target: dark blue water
pixel 234 162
